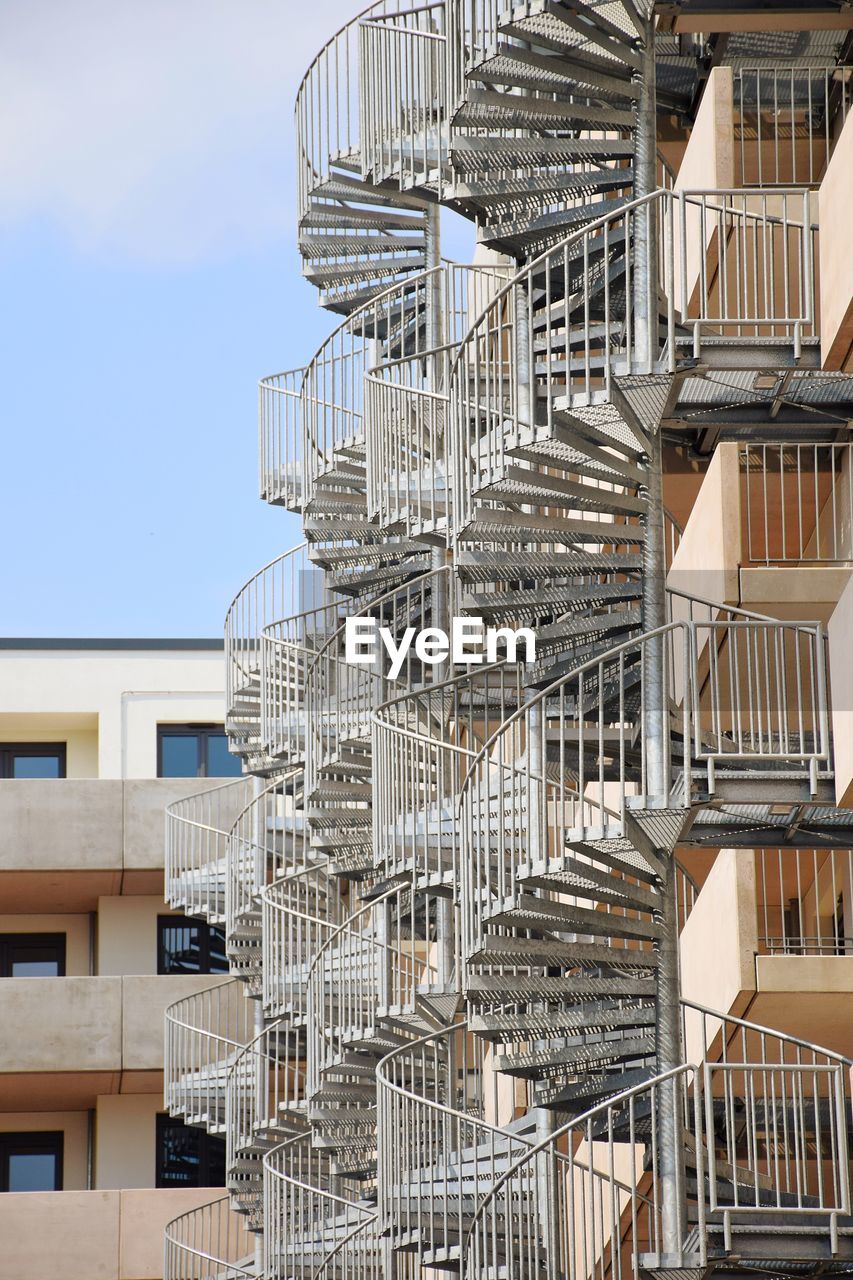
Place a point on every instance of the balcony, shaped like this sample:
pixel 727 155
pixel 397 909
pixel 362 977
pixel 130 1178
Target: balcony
pixel 84 1037
pixel 114 1235
pixel 68 841
pixel 771 529
pixel 778 924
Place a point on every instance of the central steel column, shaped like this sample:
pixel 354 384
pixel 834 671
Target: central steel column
pixel 655 727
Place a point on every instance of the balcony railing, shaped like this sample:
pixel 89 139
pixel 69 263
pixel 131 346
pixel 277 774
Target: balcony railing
pixel 209 1241
pixel 787 121
pixel 798 503
pixel 805 901
pixel 205 1034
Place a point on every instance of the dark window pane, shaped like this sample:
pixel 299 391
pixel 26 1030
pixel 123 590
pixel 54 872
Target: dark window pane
pixel 181 948
pixel 188 1157
pixel 32 1171
pixel 32 955
pixel 32 766
pixel 220 762
pixel 179 755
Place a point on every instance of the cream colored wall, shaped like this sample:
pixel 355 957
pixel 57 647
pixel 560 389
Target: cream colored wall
pixel 707 559
pixel 708 160
pixel 719 940
pixel 125 1133
pixel 120 695
pixel 75 928
pixel 836 261
pixel 840 629
pixel 93 1235
pixel 127 934
pixel 75 1150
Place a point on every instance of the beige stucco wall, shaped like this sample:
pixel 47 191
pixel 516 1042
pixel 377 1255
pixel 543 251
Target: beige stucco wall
pixel 103 824
pixel 89 1235
pixel 127 934
pixel 75 1127
pixel 706 562
pixel 708 160
pixel 118 695
pixel 720 939
pixel 125 1140
pixel 88 1024
pixel 836 262
pixel 840 629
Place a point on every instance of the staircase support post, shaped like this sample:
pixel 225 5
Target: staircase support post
pixel 644 224
pixel 655 731
pixel 668 1037
pixel 432 257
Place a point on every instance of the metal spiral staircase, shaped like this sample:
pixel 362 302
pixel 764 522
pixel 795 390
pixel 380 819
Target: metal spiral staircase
pixel 456 1039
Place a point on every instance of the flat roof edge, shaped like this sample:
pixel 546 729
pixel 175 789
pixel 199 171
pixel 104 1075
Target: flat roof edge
pixel 57 643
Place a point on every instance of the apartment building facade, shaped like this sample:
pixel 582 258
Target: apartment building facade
pixel 545 969
pixel 96 737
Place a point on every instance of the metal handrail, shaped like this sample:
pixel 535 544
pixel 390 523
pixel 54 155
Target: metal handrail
pixel 198 1226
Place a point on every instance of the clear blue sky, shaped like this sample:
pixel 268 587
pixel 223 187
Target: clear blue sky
pixel 148 277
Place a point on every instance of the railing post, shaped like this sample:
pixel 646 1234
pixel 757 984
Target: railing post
pixel 645 182
pixel 669 1056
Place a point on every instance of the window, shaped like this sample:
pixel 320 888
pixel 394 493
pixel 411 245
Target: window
pixel 31 1161
pixel 188 1157
pixel 32 760
pixel 194 751
pixel 189 946
pixel 32 955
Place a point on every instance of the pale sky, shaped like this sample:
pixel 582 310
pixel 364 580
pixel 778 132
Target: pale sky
pixel 149 277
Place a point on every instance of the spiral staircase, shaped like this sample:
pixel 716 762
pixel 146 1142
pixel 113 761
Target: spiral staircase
pixel 455 1038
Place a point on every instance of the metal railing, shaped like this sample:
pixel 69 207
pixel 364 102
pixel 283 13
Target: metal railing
pixel 327 102
pixel 197 830
pixel 787 121
pixel 269 839
pixel 405 123
pixel 286 586
pixel 280 439
pixel 798 501
pixel 407 408
pixel 733 263
pixel 568 765
pixel 205 1033
pixel 211 1240
pixel 299 912
pixel 438 1152
pixel 265 1096
pixel 315 1225
pixel 805 901
pixel 359 975
pixel 777 1111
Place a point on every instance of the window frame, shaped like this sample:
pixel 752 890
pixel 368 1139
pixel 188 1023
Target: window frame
pixel 8 750
pixel 202 732
pixel 180 921
pixel 38 1141
pixel 164 1122
pixel 8 941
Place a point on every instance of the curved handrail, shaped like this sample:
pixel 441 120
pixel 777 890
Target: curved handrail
pixel 211 1232
pixel 544 1145
pixel 196 844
